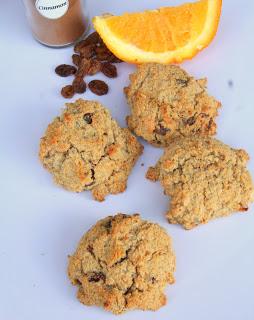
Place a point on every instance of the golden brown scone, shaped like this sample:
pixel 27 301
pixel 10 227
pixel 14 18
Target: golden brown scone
pixel 166 103
pixel 205 178
pixel 85 149
pixel 123 263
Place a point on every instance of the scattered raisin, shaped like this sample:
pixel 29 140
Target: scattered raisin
pixel 98 87
pixel 78 46
pixel 243 209
pixel 83 68
pixel 88 118
pixel 190 121
pixel 65 70
pixel 87 51
pixel 67 92
pixel 76 59
pixel 109 70
pixel 94 67
pixel 79 85
pixel 88 57
pixel 102 49
pixel 93 38
pixel 161 130
pixel 104 55
pixel 96 277
pixel 114 59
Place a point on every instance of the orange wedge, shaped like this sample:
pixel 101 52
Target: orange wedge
pixel 165 35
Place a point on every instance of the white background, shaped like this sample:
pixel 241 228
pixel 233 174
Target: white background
pixel 40 223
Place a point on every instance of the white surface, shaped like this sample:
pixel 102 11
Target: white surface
pixel 40 224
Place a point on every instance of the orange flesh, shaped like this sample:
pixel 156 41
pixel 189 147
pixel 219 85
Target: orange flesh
pixel 167 28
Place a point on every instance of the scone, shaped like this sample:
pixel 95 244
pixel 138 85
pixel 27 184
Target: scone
pixel 85 149
pixel 205 178
pixel 166 103
pixel 123 263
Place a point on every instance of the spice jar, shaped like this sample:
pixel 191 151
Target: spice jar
pixel 57 23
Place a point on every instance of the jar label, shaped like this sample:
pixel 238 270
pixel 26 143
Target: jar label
pixel 52 9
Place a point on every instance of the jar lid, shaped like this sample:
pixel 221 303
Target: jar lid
pixel 52 9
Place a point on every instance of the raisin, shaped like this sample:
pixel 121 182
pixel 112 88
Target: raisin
pixel 103 56
pixel 76 59
pixel 88 118
pixel 65 70
pixel 94 67
pixel 153 280
pixel 67 92
pixel 96 277
pixel 210 123
pixel 243 209
pixel 83 68
pixel 182 82
pixel 98 87
pixel 114 59
pixel 108 224
pixel 190 121
pixel 90 249
pixel 93 173
pixel 80 45
pixel 87 51
pixel 102 49
pixel 109 70
pixel 79 85
pixel 161 130
pixel 93 38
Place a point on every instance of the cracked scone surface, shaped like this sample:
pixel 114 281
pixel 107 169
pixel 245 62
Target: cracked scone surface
pixel 166 103
pixel 85 149
pixel 205 178
pixel 123 263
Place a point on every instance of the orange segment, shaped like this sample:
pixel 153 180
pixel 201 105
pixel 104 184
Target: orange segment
pixel 165 35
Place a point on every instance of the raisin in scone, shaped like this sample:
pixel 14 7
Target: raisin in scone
pixel 166 103
pixel 85 149
pixel 123 263
pixel 205 178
